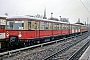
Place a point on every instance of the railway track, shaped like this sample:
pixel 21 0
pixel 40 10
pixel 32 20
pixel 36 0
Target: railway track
pixel 46 52
pixel 72 53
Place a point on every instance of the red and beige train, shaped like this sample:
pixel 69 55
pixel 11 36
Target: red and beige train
pixel 26 30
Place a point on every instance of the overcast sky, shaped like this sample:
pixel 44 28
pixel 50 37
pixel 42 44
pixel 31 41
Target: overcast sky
pixel 72 9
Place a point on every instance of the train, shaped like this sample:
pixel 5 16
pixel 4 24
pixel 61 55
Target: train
pixel 27 30
pixel 3 42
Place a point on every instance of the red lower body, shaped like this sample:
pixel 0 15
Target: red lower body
pixel 29 34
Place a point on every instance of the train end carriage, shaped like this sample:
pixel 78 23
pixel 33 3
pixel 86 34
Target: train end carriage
pixel 84 28
pixel 79 29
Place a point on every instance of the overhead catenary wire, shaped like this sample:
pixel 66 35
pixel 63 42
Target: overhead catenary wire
pixel 85 6
pixel 88 3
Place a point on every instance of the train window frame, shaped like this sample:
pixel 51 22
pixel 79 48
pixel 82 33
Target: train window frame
pixel 29 25
pixel 8 23
pixel 51 25
pixel 42 25
pixel 63 26
pixel 46 25
pixel 37 25
pixel 60 26
pixel 20 26
pixel 55 26
pixel 66 26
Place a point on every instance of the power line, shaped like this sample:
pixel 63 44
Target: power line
pixel 84 6
pixel 87 2
pixel 86 9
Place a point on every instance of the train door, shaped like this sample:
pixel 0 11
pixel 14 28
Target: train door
pixel 37 28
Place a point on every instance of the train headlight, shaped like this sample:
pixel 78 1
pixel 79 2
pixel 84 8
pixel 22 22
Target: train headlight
pixel 7 34
pixel 19 35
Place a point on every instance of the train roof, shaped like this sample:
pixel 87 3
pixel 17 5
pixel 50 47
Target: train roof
pixel 34 18
pixel 38 19
pixel 78 25
pixel 3 16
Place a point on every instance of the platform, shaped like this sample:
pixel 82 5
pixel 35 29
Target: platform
pixel 86 54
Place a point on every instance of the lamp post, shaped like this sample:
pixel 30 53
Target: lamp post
pixel 60 18
pixel 51 14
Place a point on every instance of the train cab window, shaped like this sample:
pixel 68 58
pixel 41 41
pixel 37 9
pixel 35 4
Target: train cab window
pixel 18 25
pixel 29 24
pixel 9 24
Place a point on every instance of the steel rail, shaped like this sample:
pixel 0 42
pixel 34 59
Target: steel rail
pixel 63 49
pixel 73 56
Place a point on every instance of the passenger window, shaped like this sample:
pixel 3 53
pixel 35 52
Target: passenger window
pixel 46 25
pixel 51 26
pixel 60 26
pixel 42 26
pixel 63 26
pixel 55 26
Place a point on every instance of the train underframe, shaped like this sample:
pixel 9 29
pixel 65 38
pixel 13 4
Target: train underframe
pixel 14 40
pixel 3 43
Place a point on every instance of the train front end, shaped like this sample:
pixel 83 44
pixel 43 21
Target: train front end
pixel 13 31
